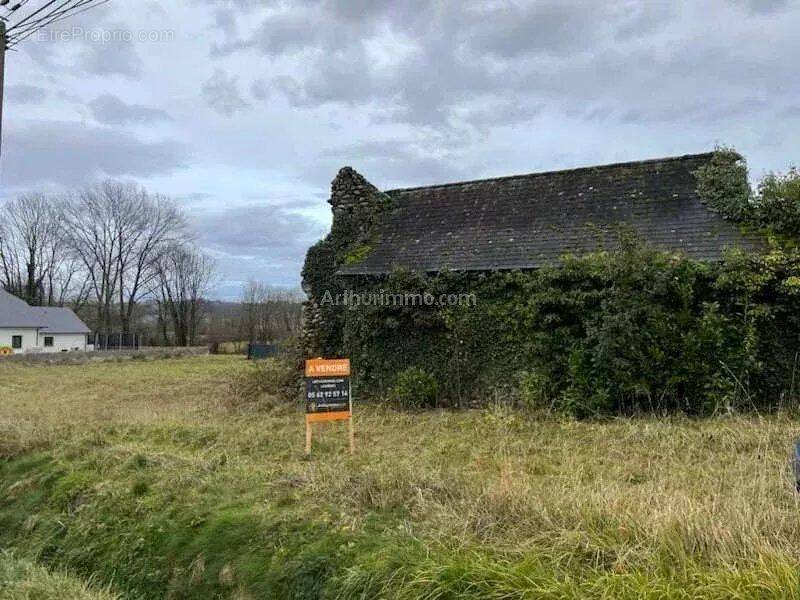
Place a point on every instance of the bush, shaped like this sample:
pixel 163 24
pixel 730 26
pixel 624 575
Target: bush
pixel 614 333
pixel 267 383
pixel 414 388
pixel 535 391
pixel 778 202
pixel 723 184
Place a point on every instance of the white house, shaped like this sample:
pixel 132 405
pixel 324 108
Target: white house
pixel 26 328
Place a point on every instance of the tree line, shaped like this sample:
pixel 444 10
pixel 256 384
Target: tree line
pixel 105 250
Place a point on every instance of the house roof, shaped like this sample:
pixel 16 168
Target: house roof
pixel 16 313
pixel 60 320
pixel 528 221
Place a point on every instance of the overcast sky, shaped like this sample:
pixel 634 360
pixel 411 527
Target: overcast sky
pixel 243 110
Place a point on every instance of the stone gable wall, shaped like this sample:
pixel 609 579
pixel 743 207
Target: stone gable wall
pixel 357 206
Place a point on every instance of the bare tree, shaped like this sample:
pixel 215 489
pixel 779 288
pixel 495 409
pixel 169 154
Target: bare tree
pixel 120 232
pixel 33 258
pixel 146 227
pixel 90 226
pixel 10 265
pixel 268 313
pixel 185 275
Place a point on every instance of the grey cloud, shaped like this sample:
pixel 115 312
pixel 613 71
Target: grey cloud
pixel 221 92
pixel 550 26
pixel 117 57
pixel 642 19
pixel 25 94
pixel 72 153
pixel 291 203
pixel 285 33
pixel 225 20
pixel 503 113
pixel 259 229
pixel 448 63
pixel 573 56
pixel 110 110
pixel 238 270
pixel 41 53
pixel 44 49
pixel 337 77
pixel 335 25
pixel 694 112
pixel 390 163
pixel 422 90
pixel 246 5
pixel 191 197
pixel 764 7
pixel 259 90
pixel 155 7
pixel 258 241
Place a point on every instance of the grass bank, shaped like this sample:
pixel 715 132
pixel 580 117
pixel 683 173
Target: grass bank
pixel 135 475
pixel 24 580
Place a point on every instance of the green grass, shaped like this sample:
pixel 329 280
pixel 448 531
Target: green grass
pixel 23 580
pixel 138 476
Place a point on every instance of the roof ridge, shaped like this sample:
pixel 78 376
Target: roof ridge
pixel 675 158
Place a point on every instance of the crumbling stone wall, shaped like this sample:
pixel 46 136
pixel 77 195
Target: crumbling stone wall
pixel 357 206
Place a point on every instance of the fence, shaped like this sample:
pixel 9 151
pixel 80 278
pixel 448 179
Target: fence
pixel 116 341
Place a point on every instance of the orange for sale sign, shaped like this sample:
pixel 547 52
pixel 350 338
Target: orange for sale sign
pixel 328 394
pixel 328 387
pixel 320 367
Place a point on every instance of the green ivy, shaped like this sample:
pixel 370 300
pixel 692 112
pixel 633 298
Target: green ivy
pixel 615 332
pixel 723 184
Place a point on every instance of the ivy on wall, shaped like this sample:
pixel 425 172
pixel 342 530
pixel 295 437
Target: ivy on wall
pixel 614 332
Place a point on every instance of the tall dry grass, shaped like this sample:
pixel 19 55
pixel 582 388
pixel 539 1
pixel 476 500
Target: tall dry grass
pixel 630 498
pixel 620 494
pixel 23 580
pixel 40 404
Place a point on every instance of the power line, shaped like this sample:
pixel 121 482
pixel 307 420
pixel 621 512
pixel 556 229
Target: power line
pixel 59 15
pixel 21 23
pixel 18 22
pixel 17 7
pixel 21 28
pixel 25 21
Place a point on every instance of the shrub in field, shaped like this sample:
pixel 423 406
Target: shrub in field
pixel 535 391
pixel 415 388
pixel 268 382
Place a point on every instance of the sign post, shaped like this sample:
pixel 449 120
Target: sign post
pixel 328 396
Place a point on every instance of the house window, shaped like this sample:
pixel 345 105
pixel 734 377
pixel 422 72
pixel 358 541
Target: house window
pixel 16 342
pixel 48 341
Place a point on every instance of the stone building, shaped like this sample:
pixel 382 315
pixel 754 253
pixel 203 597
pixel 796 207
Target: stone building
pixel 506 223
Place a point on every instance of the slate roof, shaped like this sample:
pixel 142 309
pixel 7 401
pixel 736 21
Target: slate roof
pixel 15 313
pixel 527 221
pixel 60 320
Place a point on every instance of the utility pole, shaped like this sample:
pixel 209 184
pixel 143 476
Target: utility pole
pixel 2 76
pixel 22 20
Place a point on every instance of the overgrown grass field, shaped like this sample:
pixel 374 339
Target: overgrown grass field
pixel 137 479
